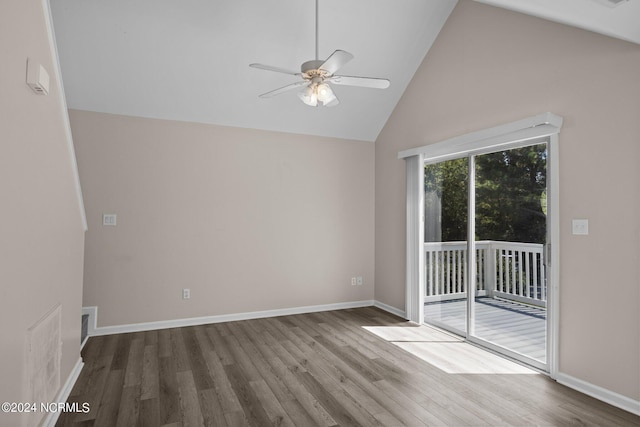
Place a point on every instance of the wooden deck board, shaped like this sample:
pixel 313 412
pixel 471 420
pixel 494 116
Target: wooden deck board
pixel 511 325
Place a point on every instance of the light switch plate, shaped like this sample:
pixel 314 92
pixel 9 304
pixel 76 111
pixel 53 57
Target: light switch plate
pixel 580 227
pixel 109 219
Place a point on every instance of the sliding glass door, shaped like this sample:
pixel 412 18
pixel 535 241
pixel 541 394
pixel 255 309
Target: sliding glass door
pixel 445 243
pixel 490 288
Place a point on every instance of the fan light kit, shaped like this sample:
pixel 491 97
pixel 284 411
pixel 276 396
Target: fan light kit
pixel 316 76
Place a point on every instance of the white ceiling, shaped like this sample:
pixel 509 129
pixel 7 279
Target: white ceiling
pixel 622 21
pixel 188 59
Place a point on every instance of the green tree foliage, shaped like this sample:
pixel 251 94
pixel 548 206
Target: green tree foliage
pixel 510 195
pixel 449 181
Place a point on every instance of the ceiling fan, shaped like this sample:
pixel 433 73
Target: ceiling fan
pixel 316 76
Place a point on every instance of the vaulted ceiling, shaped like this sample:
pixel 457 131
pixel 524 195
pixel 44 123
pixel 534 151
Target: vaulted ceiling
pixel 188 60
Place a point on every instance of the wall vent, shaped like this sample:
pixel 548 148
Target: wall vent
pixel 44 354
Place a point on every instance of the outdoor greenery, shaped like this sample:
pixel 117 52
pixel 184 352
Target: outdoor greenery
pixel 510 196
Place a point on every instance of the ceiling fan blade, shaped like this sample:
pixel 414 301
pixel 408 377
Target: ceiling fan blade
pixel 336 61
pixel 371 82
pixel 276 69
pixel 284 89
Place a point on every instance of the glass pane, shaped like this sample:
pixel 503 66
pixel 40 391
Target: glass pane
pixel 445 247
pixel 510 217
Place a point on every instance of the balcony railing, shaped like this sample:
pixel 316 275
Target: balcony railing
pixel 508 270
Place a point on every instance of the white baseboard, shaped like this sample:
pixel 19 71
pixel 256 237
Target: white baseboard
pixel 608 396
pixel 390 309
pixel 52 417
pixel 193 321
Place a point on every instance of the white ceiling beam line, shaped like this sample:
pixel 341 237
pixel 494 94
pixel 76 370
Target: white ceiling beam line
pixel 46 6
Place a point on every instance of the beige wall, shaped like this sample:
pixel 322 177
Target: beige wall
pixel 489 67
pixel 41 231
pixel 248 220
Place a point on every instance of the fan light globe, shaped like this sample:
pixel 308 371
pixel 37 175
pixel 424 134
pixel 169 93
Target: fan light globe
pixel 308 96
pixel 325 94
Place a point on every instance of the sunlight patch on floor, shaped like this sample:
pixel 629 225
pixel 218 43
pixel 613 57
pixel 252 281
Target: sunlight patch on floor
pixel 412 334
pixel 447 352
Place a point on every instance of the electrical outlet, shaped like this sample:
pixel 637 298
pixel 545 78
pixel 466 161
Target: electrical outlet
pixel 186 293
pixel 359 280
pixel 354 281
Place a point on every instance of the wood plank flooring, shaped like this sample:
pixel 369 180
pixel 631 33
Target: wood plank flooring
pixel 344 367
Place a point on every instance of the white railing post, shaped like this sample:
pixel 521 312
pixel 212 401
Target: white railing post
pixel 490 270
pixel 542 278
pixel 480 270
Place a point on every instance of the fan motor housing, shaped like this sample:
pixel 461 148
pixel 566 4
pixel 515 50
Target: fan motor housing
pixel 314 64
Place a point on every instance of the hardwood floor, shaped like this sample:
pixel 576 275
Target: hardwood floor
pixel 343 367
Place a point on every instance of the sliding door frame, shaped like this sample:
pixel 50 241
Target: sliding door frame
pixel 541 128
